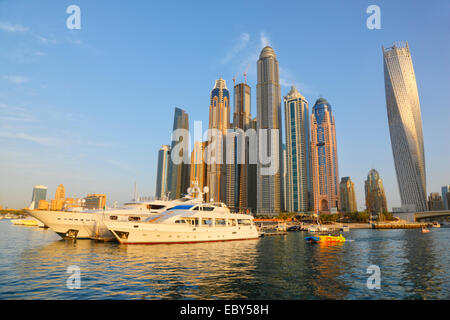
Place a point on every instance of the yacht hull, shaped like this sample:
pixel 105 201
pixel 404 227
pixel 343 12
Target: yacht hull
pixel 70 225
pixel 129 233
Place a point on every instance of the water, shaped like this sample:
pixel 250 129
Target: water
pixel 414 265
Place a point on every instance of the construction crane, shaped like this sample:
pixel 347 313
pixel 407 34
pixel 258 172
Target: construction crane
pixel 245 73
pixel 234 79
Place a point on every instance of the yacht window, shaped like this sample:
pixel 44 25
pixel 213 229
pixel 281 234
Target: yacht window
pixel 192 221
pixel 181 207
pixel 232 222
pixel 113 217
pixel 220 223
pixel 180 221
pixel 245 222
pixel 208 208
pixel 207 222
pixel 196 208
pixel 155 206
pixel 134 218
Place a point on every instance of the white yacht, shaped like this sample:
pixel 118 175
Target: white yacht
pixel 80 223
pixel 187 223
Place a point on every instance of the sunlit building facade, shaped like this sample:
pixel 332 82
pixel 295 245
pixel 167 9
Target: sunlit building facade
pixel 374 192
pixel 178 175
pixel 405 125
pixel 347 195
pixel 298 152
pixel 198 166
pixel 268 102
pixel 219 122
pixel 95 201
pixel 324 158
pixel 39 193
pixel 435 202
pixel 162 172
pixel 238 152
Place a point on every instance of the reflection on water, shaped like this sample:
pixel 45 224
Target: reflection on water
pixel 33 265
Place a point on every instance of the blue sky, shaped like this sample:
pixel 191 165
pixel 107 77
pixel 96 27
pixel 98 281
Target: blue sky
pixel 90 108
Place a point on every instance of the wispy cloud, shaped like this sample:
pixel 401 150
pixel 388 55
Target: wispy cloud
pixel 44 39
pixel 265 41
pixel 16 79
pixel 12 28
pixel 240 45
pixel 13 114
pixel 287 80
pixel 42 140
pixel 118 164
pixel 17 28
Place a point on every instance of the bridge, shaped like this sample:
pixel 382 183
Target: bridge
pixel 441 215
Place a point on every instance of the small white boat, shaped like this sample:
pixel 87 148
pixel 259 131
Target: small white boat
pixel 345 228
pixel 436 224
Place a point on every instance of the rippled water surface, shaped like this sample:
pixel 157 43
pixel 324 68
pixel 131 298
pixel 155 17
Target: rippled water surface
pixel 34 262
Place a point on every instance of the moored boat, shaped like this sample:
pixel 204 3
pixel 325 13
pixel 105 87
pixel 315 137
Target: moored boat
pixel 203 222
pixel 79 223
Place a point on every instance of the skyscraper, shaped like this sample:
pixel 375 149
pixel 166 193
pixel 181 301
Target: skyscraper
pixel 60 193
pixel 324 159
pixel 178 175
pixel 237 171
pixel 198 165
pixel 284 179
pixel 219 121
pixel 162 172
pixel 374 191
pixel 347 195
pixel 298 152
pixel 268 101
pixel 435 202
pixel 39 193
pixel 445 192
pixel 58 202
pixel 405 125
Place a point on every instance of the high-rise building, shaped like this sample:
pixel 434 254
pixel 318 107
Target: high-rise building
pixel 60 193
pixel 252 172
pixel 178 175
pixel 405 125
pixel 43 205
pixel 95 201
pixel 298 152
pixel 219 122
pixel 324 159
pixel 162 173
pixel 239 151
pixel 445 192
pixel 39 193
pixel 268 101
pixel 375 195
pixel 284 180
pixel 198 166
pixel 347 195
pixel 435 202
pixel 58 202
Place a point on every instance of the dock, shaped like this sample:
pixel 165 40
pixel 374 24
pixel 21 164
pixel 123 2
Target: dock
pixel 400 225
pixel 276 233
